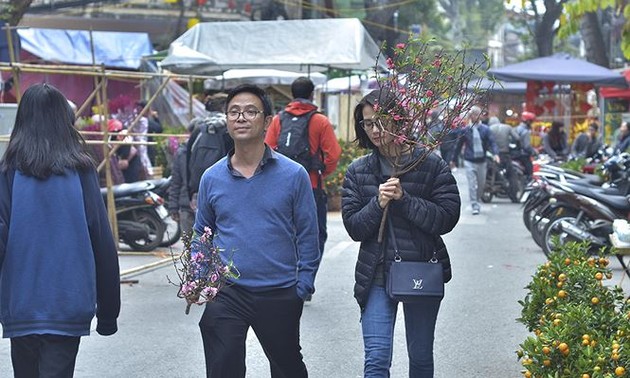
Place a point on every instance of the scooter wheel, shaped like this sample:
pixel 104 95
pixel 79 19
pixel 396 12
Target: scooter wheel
pixel 155 228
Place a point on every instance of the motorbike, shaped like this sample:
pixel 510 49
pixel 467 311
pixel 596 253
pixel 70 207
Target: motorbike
pixel 140 215
pixel 561 208
pixel 583 214
pixel 172 232
pixel 500 185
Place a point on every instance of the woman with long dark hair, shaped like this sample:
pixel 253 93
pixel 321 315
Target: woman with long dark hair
pixel 423 204
pixel 58 259
pixel 555 142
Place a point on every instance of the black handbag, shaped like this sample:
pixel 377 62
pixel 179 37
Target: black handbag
pixel 413 281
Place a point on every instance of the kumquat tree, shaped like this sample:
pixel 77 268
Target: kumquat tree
pixel 433 89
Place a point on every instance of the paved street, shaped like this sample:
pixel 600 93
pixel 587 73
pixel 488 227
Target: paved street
pixel 493 258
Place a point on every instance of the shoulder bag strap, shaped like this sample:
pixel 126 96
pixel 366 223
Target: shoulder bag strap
pixel 397 256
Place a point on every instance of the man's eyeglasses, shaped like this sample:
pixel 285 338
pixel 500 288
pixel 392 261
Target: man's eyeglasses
pixel 249 114
pixel 368 124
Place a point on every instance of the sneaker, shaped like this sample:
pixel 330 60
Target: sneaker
pixel 475 212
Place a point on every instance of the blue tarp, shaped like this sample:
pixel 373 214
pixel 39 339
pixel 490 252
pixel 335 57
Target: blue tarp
pixel 113 49
pixel 560 68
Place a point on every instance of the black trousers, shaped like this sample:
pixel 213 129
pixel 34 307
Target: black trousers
pixel 321 200
pixel 275 318
pixel 44 356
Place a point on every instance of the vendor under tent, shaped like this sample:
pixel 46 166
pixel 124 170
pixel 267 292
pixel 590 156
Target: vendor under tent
pixel 211 48
pixel 261 77
pixel 571 104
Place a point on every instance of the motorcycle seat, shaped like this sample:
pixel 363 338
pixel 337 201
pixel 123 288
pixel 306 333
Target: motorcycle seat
pixel 610 196
pixel 128 189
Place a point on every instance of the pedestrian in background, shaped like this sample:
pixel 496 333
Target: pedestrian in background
pixel 209 142
pixel 323 144
pixel 504 136
pixel 477 140
pixel 524 131
pixel 555 142
pixel 424 204
pixel 587 143
pixel 179 201
pixel 260 207
pixel 58 260
pixel 623 140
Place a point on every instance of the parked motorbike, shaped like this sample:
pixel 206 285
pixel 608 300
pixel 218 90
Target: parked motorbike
pixel 173 232
pixel 564 206
pixel 583 214
pixel 500 185
pixel 140 215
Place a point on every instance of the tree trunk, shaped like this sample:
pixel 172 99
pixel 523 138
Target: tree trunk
pixel 545 31
pixel 594 40
pixel 18 8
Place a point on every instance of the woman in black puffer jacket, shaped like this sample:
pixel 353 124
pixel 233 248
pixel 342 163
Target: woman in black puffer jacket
pixel 424 204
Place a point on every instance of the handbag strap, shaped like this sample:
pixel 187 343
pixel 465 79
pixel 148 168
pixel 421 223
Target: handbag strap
pixel 397 257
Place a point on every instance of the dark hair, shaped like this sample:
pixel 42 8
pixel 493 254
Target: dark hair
pixel 44 140
pixel 302 87
pixel 594 126
pixel 256 91
pixel 386 101
pixel 555 135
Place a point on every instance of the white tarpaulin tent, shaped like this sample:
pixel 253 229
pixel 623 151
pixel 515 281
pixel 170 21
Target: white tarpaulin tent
pixel 262 77
pixel 293 45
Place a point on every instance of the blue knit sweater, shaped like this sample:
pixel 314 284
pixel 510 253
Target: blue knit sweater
pixel 58 261
pixel 267 223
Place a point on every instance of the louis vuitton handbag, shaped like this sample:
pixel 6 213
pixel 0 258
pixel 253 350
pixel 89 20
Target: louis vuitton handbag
pixel 413 281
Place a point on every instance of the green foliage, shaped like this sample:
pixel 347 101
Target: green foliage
pixel 580 325
pixel 349 151
pixel 575 9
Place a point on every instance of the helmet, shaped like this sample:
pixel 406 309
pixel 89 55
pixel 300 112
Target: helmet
pixel 114 125
pixel 528 116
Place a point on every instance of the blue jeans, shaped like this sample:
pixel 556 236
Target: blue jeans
pixel 378 320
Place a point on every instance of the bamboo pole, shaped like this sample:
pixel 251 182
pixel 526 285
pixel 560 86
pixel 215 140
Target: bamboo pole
pixel 91 71
pixel 14 68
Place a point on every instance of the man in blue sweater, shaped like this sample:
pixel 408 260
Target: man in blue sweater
pixel 261 208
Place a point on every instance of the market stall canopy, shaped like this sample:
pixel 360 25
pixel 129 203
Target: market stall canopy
pixel 609 92
pixel 559 68
pixel 112 49
pixel 352 83
pixel 262 77
pixel 211 48
pixel 498 86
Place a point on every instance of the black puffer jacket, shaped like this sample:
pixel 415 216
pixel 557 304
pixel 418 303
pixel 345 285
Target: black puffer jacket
pixel 430 207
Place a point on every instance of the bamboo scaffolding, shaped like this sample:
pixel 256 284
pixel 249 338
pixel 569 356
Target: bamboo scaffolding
pixel 101 76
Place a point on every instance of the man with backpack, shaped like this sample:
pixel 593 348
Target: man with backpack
pixel 306 136
pixel 208 143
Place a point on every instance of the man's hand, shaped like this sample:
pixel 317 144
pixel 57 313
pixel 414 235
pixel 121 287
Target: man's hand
pixel 389 190
pixel 497 159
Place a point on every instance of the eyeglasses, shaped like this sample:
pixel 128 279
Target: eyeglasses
pixel 368 124
pixel 249 114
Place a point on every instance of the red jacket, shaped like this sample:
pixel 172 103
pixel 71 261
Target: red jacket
pixel 320 134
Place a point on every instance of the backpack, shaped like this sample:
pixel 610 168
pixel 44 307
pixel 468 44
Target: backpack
pixel 208 146
pixel 293 140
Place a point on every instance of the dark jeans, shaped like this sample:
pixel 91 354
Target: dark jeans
pixel 378 322
pixel 44 356
pixel 275 318
pixel 321 200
